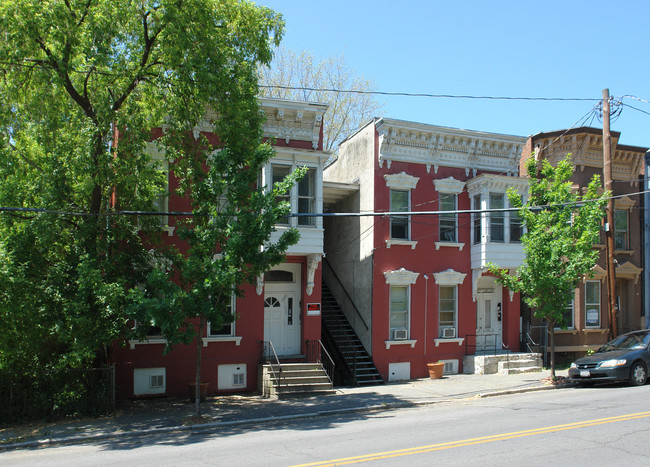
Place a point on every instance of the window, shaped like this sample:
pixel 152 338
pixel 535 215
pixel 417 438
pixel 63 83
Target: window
pixel 620 229
pixel 476 219
pixel 497 219
pixel 567 318
pixel 447 221
pixel 399 312
pixel 516 227
pixel 447 308
pixel 399 225
pixel 592 304
pixel 307 197
pixel 279 173
pixel 227 329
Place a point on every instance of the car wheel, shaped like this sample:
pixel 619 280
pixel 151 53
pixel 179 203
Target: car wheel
pixel 638 374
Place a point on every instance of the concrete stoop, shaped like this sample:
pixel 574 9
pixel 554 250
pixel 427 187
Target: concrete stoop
pixel 294 379
pixel 507 364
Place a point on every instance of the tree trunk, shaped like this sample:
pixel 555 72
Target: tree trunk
pixel 551 331
pixel 199 348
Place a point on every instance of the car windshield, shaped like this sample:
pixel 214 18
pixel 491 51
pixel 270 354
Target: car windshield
pixel 629 341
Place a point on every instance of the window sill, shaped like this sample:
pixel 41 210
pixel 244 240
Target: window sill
pixel 392 241
pixel 566 331
pixel 153 340
pixel 404 342
pixel 456 340
pixel 595 331
pixel 235 339
pixel 624 252
pixel 450 244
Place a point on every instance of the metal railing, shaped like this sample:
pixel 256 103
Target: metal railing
pixel 542 345
pixel 268 356
pixel 329 269
pixel 316 352
pixel 485 347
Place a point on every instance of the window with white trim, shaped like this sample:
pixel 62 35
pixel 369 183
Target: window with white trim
pixel 476 218
pixel 497 219
pixel 399 225
pixel 307 198
pixel 620 229
pixel 447 222
pixel 592 304
pixel 279 172
pixel 227 329
pixel 516 227
pixel 399 312
pixel 567 317
pixel 447 307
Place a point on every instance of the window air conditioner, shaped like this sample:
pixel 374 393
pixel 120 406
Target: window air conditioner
pixel 400 334
pixel 448 333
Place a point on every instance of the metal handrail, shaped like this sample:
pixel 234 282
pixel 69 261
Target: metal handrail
pixel 484 336
pixel 317 352
pixel 340 283
pixel 271 353
pixel 344 344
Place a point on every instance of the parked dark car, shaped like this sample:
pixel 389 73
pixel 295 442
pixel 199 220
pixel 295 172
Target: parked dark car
pixel 624 358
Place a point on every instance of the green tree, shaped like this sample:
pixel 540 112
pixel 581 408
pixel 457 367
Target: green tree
pixel 76 78
pixel 561 228
pixel 302 76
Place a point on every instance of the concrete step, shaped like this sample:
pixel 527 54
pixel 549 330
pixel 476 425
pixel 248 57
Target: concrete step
pixel 490 364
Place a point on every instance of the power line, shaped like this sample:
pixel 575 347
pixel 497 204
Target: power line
pixel 428 95
pixel 321 214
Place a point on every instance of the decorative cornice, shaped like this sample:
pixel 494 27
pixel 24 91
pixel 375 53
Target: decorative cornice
pixel 449 185
pixel 485 183
pixel 441 146
pixel 401 181
pixel 449 277
pixel 401 277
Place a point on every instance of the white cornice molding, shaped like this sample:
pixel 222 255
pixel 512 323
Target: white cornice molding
pixel 442 146
pixel 401 277
pixel 449 185
pixel 401 181
pixel 485 183
pixel 449 277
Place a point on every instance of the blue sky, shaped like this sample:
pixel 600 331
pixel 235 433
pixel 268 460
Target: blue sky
pixel 569 49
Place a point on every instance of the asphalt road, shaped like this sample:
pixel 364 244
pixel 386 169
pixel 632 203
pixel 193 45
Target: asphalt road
pixel 572 426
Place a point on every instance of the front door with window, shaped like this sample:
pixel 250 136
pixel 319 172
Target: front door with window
pixel 282 309
pixel 488 317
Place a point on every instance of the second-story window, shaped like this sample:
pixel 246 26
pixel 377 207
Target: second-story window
pixel 399 225
pixel 516 227
pixel 307 197
pixel 447 222
pixel 620 229
pixel 476 218
pixel 497 219
pixel 279 173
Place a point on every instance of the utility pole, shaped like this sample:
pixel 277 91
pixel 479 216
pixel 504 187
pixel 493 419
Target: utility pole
pixel 609 230
pixel 646 239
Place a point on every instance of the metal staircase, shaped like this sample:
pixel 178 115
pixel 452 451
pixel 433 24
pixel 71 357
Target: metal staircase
pixel 344 343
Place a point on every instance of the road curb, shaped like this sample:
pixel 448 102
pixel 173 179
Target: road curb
pixel 203 427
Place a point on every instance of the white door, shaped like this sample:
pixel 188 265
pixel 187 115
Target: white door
pixel 488 322
pixel 282 309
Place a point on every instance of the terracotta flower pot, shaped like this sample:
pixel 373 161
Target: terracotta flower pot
pixel 436 369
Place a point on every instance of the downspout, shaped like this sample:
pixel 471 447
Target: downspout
pixel 426 311
pixel 646 239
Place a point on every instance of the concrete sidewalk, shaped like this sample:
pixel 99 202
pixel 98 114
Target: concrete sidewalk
pixel 166 415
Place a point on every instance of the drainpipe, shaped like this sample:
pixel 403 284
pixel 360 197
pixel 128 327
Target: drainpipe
pixel 646 239
pixel 426 310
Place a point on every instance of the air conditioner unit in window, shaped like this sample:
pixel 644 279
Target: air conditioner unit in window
pixel 400 334
pixel 448 333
